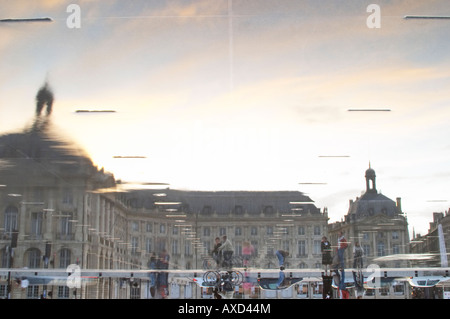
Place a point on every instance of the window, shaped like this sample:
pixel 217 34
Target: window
pixel 3 291
pixel 395 249
pixel 317 230
pixel 380 249
pixel 207 246
pixel 316 247
pixel 134 244
pixel 5 258
pixel 11 216
pixel 238 231
pixel 34 258
pixel 148 245
pixel 254 231
pixel 135 291
pixel 64 258
pixel 33 292
pixel 187 248
pixel 36 225
pixel 175 247
pixel 238 248
pixel 65 225
pixel 367 249
pixel 301 230
pixel 301 248
pixel 63 292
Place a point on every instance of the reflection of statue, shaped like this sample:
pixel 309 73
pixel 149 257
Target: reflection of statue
pixel 44 97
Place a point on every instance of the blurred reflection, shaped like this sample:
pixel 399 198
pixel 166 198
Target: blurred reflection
pixel 59 211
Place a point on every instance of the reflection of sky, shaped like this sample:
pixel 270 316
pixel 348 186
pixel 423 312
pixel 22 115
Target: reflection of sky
pixel 251 109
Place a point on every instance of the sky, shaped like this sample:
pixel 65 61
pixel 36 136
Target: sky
pixel 244 94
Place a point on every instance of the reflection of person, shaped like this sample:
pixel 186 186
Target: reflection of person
pixel 227 251
pixel 247 251
pixel 152 265
pixel 358 253
pixel 342 245
pixel 216 254
pixel 325 248
pixel 163 263
pixel 281 255
pixel 281 280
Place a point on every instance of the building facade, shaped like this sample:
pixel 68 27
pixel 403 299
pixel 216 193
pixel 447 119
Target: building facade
pixel 186 223
pixel 378 224
pixel 59 210
pixel 432 249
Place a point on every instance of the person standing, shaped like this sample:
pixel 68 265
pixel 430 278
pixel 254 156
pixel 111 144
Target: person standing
pixel 163 276
pixel 152 265
pixel 216 254
pixel 342 245
pixel 325 248
pixel 358 253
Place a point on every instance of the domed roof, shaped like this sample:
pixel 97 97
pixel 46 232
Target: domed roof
pixel 39 151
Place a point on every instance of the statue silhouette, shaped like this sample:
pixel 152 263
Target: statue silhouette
pixel 44 97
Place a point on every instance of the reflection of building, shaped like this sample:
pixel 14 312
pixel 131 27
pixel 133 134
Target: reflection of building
pixel 51 197
pixel 54 214
pixel 46 200
pixel 430 244
pixel 187 222
pixel 379 225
